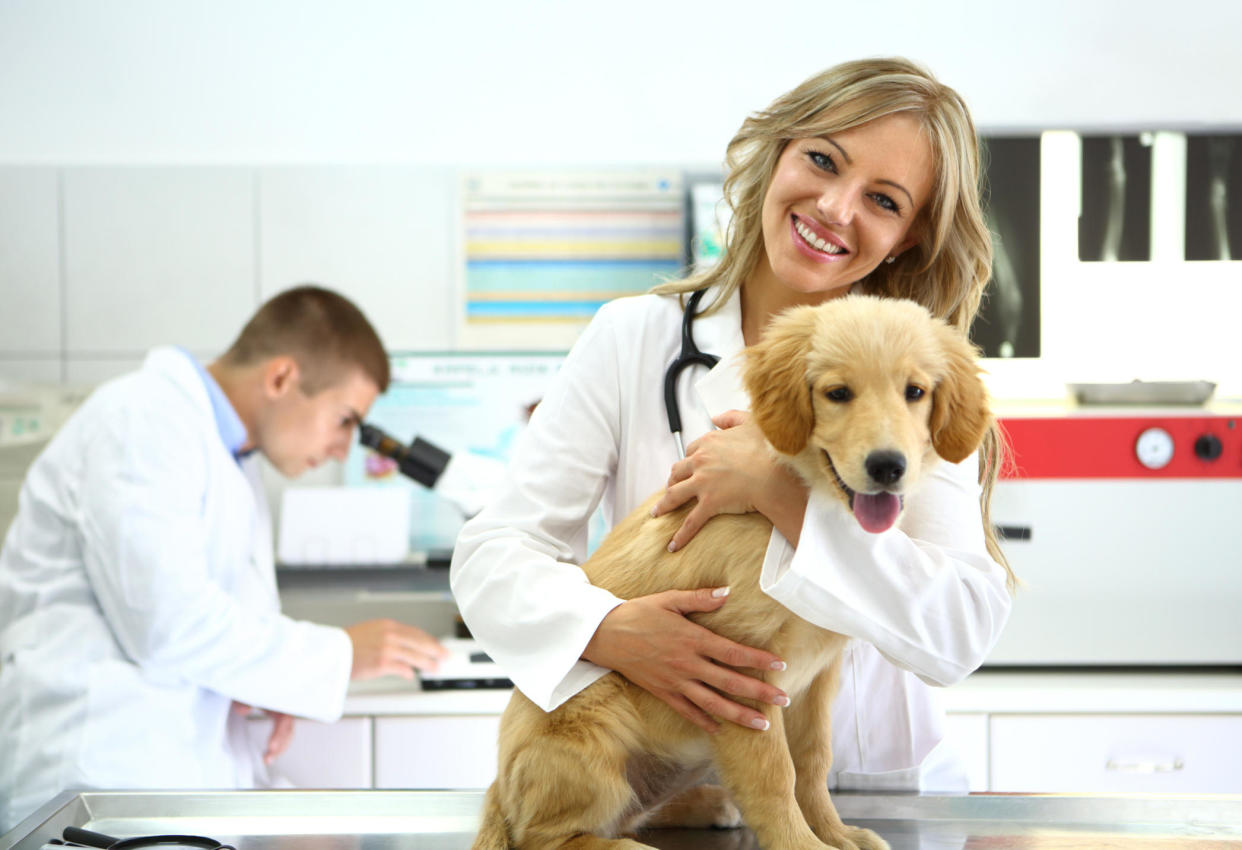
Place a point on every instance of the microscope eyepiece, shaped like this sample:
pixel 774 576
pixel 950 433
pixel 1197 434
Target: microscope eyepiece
pixel 422 461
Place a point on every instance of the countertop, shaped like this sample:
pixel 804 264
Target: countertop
pixel 447 820
pixel 1066 692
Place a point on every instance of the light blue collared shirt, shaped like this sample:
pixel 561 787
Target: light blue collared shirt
pixel 228 423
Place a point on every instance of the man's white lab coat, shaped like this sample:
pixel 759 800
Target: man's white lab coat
pixel 138 600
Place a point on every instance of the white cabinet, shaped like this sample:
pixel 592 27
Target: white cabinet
pixel 321 755
pixel 30 283
pixel 967 734
pixel 157 255
pixel 382 235
pixel 1021 732
pixel 447 752
pixel 1116 753
pixel 1032 753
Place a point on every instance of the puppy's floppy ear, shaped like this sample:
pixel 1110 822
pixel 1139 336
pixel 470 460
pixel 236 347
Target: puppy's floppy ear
pixel 775 377
pixel 960 416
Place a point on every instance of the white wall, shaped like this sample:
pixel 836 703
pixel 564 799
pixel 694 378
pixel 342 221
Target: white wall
pixel 277 81
pixel 165 164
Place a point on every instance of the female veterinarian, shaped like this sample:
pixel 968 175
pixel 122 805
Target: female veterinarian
pixel 864 178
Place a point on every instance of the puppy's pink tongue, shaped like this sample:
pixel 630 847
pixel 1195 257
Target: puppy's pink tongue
pixel 876 512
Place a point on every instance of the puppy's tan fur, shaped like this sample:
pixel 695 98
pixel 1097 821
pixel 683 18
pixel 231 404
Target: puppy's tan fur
pixel 605 761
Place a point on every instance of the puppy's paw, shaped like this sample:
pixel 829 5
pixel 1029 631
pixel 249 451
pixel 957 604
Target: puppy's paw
pixel 858 838
pixel 701 807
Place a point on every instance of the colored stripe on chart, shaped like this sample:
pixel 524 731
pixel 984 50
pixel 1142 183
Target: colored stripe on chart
pixel 532 309
pixel 579 278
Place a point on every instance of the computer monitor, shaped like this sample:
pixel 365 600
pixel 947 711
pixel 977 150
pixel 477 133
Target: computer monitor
pixel 461 401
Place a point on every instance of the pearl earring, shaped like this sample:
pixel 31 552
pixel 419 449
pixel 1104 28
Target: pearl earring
pixel 890 259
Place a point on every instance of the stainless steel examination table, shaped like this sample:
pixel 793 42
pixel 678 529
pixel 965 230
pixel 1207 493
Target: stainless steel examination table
pixel 446 820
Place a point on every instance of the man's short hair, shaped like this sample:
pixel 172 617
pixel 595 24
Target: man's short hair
pixel 324 332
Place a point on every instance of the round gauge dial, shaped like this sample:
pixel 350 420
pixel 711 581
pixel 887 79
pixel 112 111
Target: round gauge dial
pixel 1154 448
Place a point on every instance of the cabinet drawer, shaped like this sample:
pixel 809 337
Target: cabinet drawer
pixel 448 752
pixel 1107 753
pixel 967 734
pixel 321 755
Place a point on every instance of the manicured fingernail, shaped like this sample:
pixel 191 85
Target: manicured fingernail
pixel 720 591
pixel 760 723
pixel 672 546
pixel 777 665
pixel 782 701
pixel 653 511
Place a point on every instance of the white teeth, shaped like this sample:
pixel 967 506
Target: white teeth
pixel 814 241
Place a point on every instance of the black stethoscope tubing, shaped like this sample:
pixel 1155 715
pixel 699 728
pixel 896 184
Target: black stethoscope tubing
pixel 77 837
pixel 689 356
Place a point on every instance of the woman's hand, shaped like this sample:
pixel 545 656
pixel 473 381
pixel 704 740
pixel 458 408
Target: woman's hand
pixel 649 641
pixel 732 471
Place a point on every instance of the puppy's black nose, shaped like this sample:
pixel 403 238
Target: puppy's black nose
pixel 886 467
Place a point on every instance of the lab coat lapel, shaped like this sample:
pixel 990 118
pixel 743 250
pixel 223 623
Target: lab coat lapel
pixel 721 388
pixel 246 497
pixel 261 553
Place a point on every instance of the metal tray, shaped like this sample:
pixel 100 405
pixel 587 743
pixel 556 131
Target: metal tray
pixel 446 820
pixel 1144 392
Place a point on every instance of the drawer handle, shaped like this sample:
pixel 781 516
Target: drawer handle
pixel 1145 764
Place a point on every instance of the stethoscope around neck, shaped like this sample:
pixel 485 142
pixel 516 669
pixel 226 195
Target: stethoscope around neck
pixel 689 356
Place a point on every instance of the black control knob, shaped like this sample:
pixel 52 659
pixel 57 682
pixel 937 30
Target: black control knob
pixel 1208 447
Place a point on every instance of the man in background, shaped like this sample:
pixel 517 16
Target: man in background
pixel 139 618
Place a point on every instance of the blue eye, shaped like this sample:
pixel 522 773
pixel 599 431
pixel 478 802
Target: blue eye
pixel 886 202
pixel 822 161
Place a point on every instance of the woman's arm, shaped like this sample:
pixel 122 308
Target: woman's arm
pixel 515 573
pixel 927 594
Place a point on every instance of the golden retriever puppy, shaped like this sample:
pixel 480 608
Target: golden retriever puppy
pixel 859 395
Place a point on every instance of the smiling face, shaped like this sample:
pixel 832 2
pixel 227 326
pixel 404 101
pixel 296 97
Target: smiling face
pixel 837 206
pixel 298 432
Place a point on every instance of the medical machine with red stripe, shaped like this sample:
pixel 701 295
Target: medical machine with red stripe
pixel 1127 531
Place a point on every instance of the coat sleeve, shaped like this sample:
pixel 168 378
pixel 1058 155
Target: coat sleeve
pixel 926 594
pixel 144 541
pixel 515 572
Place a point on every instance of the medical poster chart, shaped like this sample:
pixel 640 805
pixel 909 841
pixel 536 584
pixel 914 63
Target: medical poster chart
pixel 476 402
pixel 553 246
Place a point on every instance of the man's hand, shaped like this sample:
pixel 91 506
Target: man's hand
pixel 390 648
pixel 650 641
pixel 282 730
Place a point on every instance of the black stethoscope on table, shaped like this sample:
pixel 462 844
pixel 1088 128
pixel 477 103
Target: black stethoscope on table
pixel 76 837
pixel 689 356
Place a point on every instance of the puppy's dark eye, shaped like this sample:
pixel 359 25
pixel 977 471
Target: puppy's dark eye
pixel 839 394
pixel 914 393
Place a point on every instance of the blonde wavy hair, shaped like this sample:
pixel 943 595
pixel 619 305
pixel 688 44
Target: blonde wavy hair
pixel 945 271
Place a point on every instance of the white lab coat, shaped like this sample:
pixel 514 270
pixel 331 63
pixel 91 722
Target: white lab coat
pixel 925 600
pixel 138 600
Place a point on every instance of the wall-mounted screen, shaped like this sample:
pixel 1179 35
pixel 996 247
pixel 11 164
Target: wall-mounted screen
pixel 474 402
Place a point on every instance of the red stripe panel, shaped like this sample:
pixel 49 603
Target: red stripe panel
pixel 1103 447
